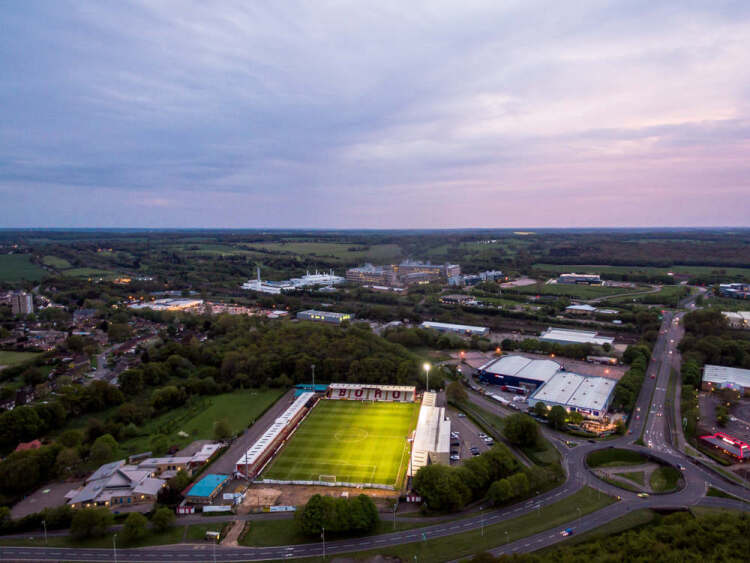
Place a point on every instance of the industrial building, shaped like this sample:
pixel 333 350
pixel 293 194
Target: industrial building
pixel 567 336
pixel 458 329
pixel 324 316
pixel 473 279
pixel 518 371
pixel 721 377
pixel 735 290
pixel 308 280
pixel 170 304
pixel 432 436
pixel 406 273
pixel 737 319
pixel 21 303
pixel 581 279
pixel 588 395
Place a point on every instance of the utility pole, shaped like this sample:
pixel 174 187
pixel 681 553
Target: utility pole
pixel 44 525
pixel 114 547
pixel 323 536
pixel 313 371
pixel 482 524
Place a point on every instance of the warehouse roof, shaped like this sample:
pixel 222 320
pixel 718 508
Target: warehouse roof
pixel 575 336
pixel 449 326
pixel 207 485
pixel 722 375
pixel 573 390
pixel 522 367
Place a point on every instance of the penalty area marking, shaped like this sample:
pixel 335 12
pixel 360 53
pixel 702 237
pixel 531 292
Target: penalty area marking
pixel 351 435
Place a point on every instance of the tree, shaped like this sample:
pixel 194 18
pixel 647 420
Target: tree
pixel 456 392
pixel 67 462
pixel 521 429
pixel 163 519
pixel 135 526
pixel 575 418
pixel 91 522
pixel 540 409
pixel 500 491
pixel 441 488
pixel 222 429
pixel 70 438
pixel 104 449
pixel 557 416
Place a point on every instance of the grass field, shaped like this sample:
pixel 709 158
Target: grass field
pixel 378 253
pixel 56 262
pixel 18 267
pixel 239 408
pixel 357 442
pixel 651 271
pixel 8 359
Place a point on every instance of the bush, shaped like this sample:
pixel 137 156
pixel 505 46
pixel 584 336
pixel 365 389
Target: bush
pixel 163 519
pixel 135 526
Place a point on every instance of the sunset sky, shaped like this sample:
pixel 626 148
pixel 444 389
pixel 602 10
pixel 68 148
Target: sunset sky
pixel 374 114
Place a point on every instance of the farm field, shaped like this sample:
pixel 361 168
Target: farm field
pixel 56 262
pixel 240 408
pixel 19 267
pixel 378 253
pixel 88 272
pixel 576 291
pixel 354 441
pixel 8 359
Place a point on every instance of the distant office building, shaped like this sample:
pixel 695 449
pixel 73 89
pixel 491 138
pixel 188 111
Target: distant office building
pixel 735 290
pixel 181 304
pixel 584 279
pixel 739 319
pixel 369 274
pixel 458 329
pixel 580 309
pixel 408 272
pixel 324 316
pixel 22 303
pixel 474 279
pixel 567 336
pixel 458 299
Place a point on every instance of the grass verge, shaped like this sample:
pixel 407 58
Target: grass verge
pixel 613 457
pixel 468 543
pixel 635 476
pixel 664 479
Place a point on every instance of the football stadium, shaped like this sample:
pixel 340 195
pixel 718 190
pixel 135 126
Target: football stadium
pixel 349 442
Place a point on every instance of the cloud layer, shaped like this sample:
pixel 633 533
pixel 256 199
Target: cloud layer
pixel 388 114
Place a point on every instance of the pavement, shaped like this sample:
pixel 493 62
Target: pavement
pixel 657 426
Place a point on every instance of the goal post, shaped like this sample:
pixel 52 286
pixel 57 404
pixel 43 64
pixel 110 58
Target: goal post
pixel 326 478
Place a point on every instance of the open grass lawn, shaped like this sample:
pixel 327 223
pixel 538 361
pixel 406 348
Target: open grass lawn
pixel 635 476
pixel 267 533
pixel 612 457
pixel 55 262
pixel 572 290
pixel 664 479
pixel 19 267
pixel 354 441
pixel 8 359
pixel 667 292
pixel 89 273
pixel 240 408
pixel 469 543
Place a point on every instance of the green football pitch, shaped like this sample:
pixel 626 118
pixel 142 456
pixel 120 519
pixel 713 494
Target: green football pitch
pixel 349 441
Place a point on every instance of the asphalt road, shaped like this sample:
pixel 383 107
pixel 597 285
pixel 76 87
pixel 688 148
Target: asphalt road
pixel 653 421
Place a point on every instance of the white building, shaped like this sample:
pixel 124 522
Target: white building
pixel 567 336
pixel 21 303
pixel 739 319
pixel 585 394
pixel 308 280
pixel 719 377
pixel 518 371
pixel 432 437
pixel 169 304
pixel 459 329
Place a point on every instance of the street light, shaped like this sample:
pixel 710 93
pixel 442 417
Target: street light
pixel 313 375
pixel 44 525
pixel 323 537
pixel 427 367
pixel 579 516
pixel 114 547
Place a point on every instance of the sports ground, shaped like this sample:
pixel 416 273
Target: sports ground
pixel 349 441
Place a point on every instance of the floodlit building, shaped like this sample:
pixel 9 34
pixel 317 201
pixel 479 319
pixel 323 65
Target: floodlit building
pixel 518 371
pixel 729 445
pixel 458 329
pixel 21 303
pixel 432 436
pixel 206 489
pixel 588 395
pixel 324 316
pixel 584 279
pixel 567 336
pixel 722 377
pixel 738 319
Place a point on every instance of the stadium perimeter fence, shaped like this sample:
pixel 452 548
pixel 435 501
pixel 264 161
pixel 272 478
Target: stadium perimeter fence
pixel 326 484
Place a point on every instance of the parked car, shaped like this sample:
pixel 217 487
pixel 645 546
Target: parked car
pixel 455 458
